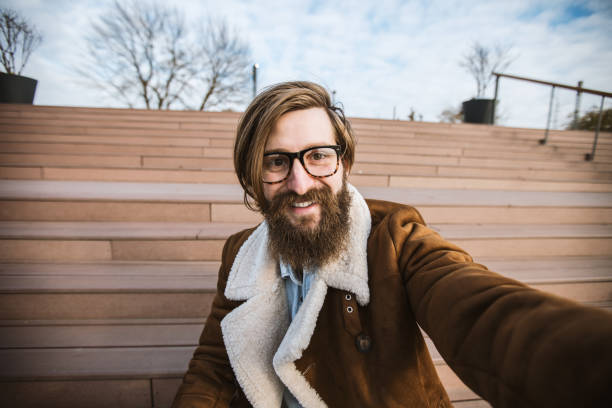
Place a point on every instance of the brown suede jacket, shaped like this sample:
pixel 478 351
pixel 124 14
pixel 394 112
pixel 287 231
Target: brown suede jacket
pixel 360 346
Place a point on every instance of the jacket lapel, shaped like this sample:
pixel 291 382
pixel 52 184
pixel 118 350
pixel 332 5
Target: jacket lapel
pixel 261 345
pixel 253 330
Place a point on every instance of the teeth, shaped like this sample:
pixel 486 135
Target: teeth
pixel 302 205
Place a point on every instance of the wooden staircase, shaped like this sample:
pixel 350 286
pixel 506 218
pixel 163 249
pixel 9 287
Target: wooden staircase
pixel 112 223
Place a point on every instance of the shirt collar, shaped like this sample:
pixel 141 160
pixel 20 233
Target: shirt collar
pixel 286 271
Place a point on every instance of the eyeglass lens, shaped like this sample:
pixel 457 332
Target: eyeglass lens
pixel 318 162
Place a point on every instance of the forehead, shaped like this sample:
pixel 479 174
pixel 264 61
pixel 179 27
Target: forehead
pixel 301 129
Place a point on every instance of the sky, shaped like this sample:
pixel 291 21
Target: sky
pixel 382 58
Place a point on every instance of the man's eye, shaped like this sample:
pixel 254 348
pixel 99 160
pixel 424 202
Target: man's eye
pixel 318 156
pixel 274 162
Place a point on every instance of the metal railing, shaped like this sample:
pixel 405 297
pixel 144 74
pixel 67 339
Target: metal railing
pixel 579 90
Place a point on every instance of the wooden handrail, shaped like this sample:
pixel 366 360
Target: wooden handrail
pixel 557 85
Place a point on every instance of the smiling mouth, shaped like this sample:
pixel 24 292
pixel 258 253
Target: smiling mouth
pixel 303 204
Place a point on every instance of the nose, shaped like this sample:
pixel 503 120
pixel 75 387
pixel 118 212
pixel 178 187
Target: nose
pixel 299 181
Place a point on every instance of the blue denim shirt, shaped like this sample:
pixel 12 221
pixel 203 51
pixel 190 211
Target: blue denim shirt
pixel 296 292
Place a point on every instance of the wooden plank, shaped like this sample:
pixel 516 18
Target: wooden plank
pixel 360 180
pixel 20 173
pixel 45 250
pixel 234 213
pixel 518 162
pixel 201 250
pixel 187 163
pixel 393 169
pixel 94 363
pixel 100 148
pixel 76 394
pixel 476 403
pixel 145 138
pixel 107 284
pixel 113 268
pixel 100 335
pixel 103 211
pixel 509 247
pixel 28 306
pixel 553 269
pixel 514 215
pixel 27 159
pixel 57 190
pixel 528 174
pixel 120 230
pixel 494 231
pixel 221 230
pixel 496 184
pixel 414 158
pixel 140 175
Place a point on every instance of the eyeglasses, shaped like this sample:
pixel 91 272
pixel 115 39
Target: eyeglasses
pixel 318 161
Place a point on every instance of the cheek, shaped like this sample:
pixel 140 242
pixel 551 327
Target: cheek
pixel 270 190
pixel 335 181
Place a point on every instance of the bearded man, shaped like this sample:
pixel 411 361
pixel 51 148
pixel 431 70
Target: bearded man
pixel 320 305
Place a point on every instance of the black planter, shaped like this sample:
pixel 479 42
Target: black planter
pixel 17 89
pixel 479 111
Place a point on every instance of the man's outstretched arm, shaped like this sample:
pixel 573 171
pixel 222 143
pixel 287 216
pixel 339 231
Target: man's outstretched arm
pixel 512 344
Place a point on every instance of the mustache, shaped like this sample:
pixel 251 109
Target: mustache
pixel 284 200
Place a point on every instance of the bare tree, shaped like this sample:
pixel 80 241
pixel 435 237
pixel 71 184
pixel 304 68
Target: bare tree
pixel 145 56
pixel 17 42
pixel 224 70
pixel 481 61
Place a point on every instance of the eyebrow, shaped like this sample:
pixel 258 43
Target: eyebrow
pixel 280 150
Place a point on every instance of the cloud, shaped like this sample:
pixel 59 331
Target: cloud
pixel 376 55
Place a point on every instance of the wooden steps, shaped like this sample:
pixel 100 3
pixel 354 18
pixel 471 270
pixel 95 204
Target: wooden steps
pixel 112 222
pixel 48 143
pixel 127 241
pixel 367 163
pixel 36 200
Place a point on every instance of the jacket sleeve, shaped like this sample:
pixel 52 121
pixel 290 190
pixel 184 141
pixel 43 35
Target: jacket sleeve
pixel 513 345
pixel 210 381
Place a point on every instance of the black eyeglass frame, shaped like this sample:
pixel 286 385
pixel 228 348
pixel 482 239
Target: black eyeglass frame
pixel 300 156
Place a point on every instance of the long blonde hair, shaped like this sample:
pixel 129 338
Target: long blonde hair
pixel 257 123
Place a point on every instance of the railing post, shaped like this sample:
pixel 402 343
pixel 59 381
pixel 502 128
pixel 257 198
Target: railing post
pixel 550 106
pixel 591 156
pixel 255 66
pixel 495 98
pixel 577 109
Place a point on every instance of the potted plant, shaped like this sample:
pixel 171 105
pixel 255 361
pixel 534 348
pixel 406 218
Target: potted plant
pixel 481 62
pixel 17 41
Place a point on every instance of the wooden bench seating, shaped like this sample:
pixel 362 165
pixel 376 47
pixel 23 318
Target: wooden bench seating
pixel 112 223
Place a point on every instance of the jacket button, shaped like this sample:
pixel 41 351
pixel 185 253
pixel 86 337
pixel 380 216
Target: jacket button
pixel 363 342
pixel 348 296
pixel 349 309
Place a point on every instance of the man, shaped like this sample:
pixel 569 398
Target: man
pixel 319 304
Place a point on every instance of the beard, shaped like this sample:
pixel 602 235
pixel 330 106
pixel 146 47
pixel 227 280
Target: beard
pixel 305 245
